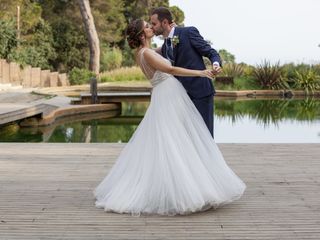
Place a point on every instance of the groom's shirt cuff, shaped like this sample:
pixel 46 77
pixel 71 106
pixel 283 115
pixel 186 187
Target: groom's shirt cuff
pixel 216 63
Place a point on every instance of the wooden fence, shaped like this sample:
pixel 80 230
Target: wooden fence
pixel 12 73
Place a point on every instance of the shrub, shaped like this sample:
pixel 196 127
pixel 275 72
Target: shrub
pixel 308 80
pixel 232 70
pixel 244 83
pixel 289 70
pixel 128 59
pixel 8 39
pixel 247 70
pixel 27 55
pixel 270 76
pixel 79 76
pixel 316 68
pixel 37 50
pixel 111 58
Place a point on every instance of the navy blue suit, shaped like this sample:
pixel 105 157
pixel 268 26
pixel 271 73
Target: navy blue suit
pixel 188 54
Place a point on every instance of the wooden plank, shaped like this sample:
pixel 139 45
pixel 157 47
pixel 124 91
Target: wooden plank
pixel 46 193
pixel 21 113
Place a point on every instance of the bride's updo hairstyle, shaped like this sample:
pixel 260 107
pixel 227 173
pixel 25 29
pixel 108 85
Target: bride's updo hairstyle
pixel 134 33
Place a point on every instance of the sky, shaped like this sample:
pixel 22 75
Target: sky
pixel 254 30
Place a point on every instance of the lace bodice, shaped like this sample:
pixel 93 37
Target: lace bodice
pixel 155 77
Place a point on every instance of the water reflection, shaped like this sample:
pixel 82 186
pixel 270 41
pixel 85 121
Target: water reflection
pixel 269 112
pixel 264 119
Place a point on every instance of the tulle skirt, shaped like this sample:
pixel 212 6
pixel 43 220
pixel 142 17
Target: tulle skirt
pixel 171 165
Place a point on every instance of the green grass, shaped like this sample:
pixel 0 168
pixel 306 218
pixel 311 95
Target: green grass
pixel 240 83
pixel 124 74
pixel 134 74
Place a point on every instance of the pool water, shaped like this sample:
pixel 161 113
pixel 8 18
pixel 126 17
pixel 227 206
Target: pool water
pixel 236 121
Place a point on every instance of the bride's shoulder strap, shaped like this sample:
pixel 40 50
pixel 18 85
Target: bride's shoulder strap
pixel 141 53
pixel 151 53
pixel 143 50
pixel 146 68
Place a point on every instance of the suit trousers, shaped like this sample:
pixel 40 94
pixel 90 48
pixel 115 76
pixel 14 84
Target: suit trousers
pixel 206 108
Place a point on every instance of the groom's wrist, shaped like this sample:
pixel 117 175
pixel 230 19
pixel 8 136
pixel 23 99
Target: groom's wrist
pixel 216 64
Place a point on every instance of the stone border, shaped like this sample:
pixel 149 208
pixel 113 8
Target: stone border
pixel 52 116
pixel 77 90
pixel 266 93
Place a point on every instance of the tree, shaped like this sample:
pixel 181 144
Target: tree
pixel 93 39
pixel 53 36
pixel 141 8
pixel 35 46
pixel 37 50
pixel 30 13
pixel 226 56
pixel 178 15
pixel 109 20
pixel 70 41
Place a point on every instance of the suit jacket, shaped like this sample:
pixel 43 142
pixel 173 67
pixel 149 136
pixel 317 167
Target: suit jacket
pixel 188 54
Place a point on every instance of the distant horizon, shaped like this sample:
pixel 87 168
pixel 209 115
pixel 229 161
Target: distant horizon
pixel 254 31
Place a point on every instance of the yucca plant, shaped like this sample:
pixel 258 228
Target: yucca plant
pixel 289 70
pixel 316 68
pixel 232 70
pixel 270 112
pixel 308 109
pixel 247 70
pixel 307 80
pixel 270 76
pixel 226 109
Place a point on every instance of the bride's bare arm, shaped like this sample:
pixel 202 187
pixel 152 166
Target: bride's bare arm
pixel 158 63
pixel 158 50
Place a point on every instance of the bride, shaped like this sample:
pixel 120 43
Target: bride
pixel 171 165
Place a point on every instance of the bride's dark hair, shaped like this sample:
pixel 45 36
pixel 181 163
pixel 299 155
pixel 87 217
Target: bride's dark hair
pixel 134 33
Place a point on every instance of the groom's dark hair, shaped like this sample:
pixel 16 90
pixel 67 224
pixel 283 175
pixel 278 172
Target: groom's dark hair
pixel 163 13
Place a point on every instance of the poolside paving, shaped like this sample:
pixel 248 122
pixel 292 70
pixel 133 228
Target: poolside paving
pixel 22 103
pixel 46 193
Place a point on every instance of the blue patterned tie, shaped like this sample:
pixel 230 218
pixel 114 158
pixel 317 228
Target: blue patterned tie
pixel 169 49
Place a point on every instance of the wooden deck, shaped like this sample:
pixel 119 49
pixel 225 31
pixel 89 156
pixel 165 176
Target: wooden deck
pixel 46 193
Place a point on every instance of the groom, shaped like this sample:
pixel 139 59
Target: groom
pixel 184 47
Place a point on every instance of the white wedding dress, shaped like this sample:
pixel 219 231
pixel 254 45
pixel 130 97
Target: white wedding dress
pixel 171 165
